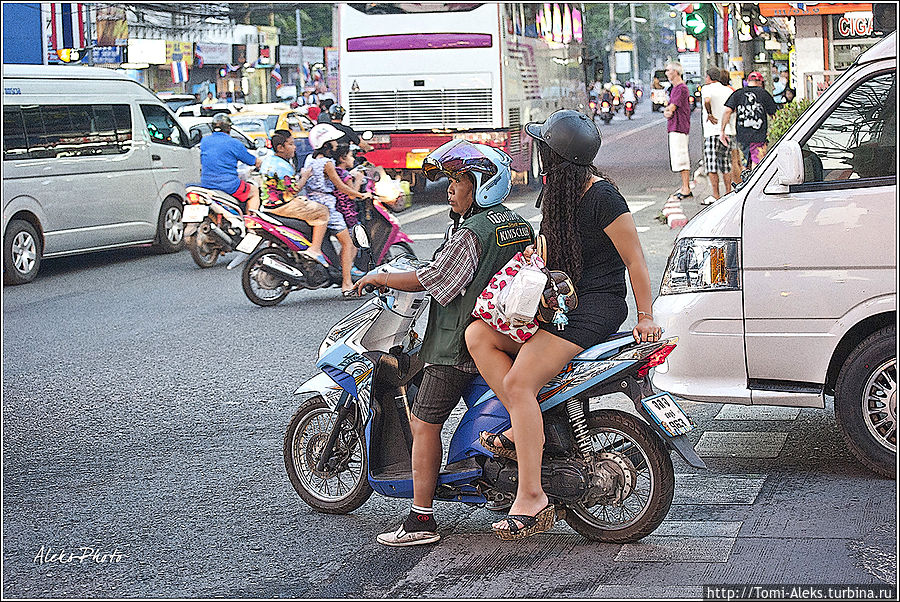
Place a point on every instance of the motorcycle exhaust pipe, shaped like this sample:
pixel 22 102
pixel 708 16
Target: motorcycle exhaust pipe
pixel 222 235
pixel 276 267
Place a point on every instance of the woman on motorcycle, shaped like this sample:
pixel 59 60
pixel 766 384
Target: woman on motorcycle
pixel 480 179
pixel 321 186
pixel 592 237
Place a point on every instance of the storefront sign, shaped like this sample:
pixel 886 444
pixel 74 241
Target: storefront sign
pixel 213 54
pixel 180 51
pixel 112 26
pixel 287 55
pixel 853 26
pixel 331 65
pixel 152 52
pixel 107 55
pixel 792 9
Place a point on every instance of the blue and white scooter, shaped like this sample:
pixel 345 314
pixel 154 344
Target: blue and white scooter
pixel 608 472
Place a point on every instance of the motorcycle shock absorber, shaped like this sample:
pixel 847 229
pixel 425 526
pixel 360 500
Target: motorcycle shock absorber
pixel 575 410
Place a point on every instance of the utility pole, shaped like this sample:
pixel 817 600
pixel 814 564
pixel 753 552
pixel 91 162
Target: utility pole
pixel 300 82
pixel 611 54
pixel 635 71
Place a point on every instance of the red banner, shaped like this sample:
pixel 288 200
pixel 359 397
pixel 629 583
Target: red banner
pixel 784 9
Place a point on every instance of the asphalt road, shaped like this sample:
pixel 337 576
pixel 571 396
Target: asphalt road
pixel 145 401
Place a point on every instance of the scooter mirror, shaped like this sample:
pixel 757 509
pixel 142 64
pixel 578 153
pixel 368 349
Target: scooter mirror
pixel 367 135
pixel 259 143
pixel 360 237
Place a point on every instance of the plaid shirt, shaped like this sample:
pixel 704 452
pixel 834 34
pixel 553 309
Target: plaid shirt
pixel 451 272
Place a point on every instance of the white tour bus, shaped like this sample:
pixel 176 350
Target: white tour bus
pixel 418 75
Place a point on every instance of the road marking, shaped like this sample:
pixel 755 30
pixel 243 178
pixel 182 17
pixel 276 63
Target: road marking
pixel 424 212
pixel 728 489
pixel 654 548
pixel 740 444
pixel 636 130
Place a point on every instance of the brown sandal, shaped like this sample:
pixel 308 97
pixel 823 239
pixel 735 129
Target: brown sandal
pixel 531 525
pixel 505 449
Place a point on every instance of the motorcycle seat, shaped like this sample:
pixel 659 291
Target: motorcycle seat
pixel 607 348
pixel 290 222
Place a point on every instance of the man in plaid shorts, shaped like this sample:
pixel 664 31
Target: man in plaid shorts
pixel 479 181
pixel 716 156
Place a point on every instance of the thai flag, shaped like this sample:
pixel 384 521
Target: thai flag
pixel 179 72
pixel 67 25
pixel 684 7
pixel 276 75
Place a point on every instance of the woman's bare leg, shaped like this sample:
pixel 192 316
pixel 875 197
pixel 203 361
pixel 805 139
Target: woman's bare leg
pixel 348 253
pixel 539 360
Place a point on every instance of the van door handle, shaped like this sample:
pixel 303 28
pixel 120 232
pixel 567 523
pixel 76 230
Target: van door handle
pixel 156 157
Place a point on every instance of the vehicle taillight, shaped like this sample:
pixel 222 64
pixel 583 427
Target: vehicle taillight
pixel 605 104
pixel 655 359
pixel 268 143
pixel 593 104
pixel 194 198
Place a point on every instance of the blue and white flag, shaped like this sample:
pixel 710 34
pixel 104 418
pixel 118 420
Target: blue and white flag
pixel 179 72
pixel 276 74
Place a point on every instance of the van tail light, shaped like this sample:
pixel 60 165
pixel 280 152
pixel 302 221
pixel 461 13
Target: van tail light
pixel 655 359
pixel 268 143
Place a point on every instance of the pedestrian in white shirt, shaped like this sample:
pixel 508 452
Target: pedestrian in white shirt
pixel 716 156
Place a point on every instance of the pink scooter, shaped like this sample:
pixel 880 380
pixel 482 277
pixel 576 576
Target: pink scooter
pixel 275 266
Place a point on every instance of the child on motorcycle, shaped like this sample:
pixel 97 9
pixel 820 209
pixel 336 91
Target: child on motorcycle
pixel 321 186
pixel 280 192
pixel 343 163
pixel 480 179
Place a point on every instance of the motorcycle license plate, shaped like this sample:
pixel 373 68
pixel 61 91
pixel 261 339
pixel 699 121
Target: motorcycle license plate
pixel 668 414
pixel 249 243
pixel 194 213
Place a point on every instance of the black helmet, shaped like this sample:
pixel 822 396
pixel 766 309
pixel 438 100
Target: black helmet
pixel 572 135
pixel 337 112
pixel 221 121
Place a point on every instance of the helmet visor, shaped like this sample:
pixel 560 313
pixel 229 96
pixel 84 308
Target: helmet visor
pixel 456 158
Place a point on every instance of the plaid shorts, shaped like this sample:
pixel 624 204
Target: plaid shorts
pixel 716 156
pixel 442 388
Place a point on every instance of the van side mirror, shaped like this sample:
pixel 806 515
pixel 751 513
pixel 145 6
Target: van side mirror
pixel 259 143
pixel 789 163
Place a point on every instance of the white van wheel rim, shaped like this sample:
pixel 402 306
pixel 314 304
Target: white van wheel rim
pixel 879 404
pixel 24 252
pixel 174 227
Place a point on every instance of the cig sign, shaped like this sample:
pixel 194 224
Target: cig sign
pixel 854 26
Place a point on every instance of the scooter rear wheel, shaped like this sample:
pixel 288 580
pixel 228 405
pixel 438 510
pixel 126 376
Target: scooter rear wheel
pixel 626 448
pixel 343 486
pixel 204 251
pixel 263 288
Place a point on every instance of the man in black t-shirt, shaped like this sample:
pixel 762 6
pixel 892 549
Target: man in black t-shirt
pixel 752 105
pixel 350 136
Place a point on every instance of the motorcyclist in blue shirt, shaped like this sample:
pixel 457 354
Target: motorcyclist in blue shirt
pixel 219 156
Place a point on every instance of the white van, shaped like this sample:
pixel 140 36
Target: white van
pixel 785 290
pixel 92 160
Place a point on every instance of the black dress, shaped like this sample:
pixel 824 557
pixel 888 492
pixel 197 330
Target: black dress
pixel 601 290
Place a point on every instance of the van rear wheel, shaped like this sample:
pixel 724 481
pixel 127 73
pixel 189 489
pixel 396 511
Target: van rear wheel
pixel 169 227
pixel 865 402
pixel 21 253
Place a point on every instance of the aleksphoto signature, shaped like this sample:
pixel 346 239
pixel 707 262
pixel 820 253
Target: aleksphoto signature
pixel 48 554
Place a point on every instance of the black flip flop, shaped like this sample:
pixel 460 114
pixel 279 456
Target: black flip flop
pixel 507 451
pixel 531 525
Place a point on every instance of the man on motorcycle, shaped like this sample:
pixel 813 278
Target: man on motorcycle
pixel 281 192
pixel 628 94
pixel 219 156
pixel 350 135
pixel 480 179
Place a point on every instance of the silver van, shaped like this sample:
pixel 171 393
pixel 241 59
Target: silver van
pixel 785 290
pixel 92 160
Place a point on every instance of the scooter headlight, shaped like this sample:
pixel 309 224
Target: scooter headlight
pixel 702 264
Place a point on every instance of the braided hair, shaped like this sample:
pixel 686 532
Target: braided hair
pixel 560 198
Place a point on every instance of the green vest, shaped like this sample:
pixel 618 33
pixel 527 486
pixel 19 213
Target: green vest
pixel 502 233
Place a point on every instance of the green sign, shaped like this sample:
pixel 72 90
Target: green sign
pixel 699 22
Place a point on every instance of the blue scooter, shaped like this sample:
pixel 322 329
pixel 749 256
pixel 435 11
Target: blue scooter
pixel 608 472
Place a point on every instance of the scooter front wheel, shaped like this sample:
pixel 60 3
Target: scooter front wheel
pixel 631 456
pixel 342 485
pixel 261 287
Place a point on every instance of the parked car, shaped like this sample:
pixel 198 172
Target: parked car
pixel 197 110
pixel 92 160
pixel 785 290
pixel 256 125
pixel 176 101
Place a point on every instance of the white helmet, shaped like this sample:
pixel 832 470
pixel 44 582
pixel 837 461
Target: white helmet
pixel 322 133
